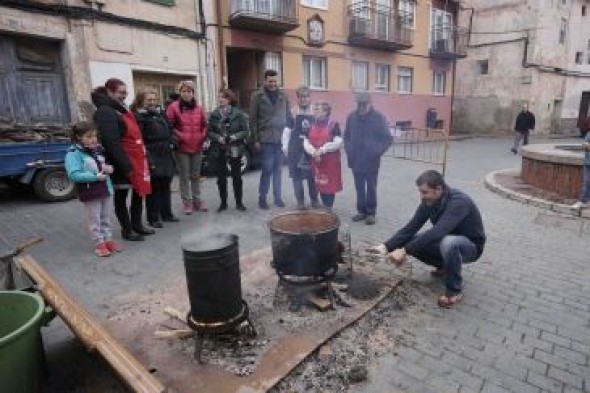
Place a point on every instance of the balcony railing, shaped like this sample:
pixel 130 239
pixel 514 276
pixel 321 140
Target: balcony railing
pixel 379 27
pixel 448 42
pixel 270 16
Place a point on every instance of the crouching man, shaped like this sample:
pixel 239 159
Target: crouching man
pixel 457 235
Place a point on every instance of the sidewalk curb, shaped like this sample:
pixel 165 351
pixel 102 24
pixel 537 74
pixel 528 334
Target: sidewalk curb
pixel 499 189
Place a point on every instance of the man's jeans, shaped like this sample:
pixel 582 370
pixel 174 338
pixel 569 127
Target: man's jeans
pixel 366 192
pixel 585 196
pixel 450 253
pixel 520 136
pixel 272 159
pixel 298 181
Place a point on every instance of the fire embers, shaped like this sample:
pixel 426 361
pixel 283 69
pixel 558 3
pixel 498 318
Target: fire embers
pixel 236 352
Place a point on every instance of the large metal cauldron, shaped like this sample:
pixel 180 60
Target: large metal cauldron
pixel 305 244
pixel 212 267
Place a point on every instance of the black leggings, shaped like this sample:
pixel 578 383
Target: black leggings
pixel 157 204
pixel 129 218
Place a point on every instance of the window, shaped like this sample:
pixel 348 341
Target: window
pixel 360 75
pixel 274 61
pixel 583 10
pixel 579 57
pixel 323 4
pixel 314 72
pixel 588 46
pixel 483 67
pixel 441 28
pixel 562 30
pixel 439 80
pixel 405 76
pixel 382 77
pixel 407 10
pixel 588 60
pixel 163 2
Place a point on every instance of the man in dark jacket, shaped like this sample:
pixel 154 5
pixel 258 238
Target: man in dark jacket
pixel 269 115
pixel 366 138
pixel 525 122
pixel 457 235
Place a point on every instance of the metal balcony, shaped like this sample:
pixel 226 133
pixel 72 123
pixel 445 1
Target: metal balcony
pixel 448 42
pixel 379 27
pixel 268 16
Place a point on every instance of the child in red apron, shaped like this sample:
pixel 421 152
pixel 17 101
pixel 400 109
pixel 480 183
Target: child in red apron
pixel 323 145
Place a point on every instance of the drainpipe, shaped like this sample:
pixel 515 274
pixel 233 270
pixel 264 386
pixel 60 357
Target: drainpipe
pixel 220 50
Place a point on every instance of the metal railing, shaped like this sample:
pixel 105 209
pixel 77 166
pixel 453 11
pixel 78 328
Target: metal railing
pixel 427 145
pixel 448 39
pixel 379 22
pixel 281 10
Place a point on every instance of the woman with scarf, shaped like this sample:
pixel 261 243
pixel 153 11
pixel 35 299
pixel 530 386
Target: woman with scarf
pixel 124 149
pixel 323 145
pixel 190 131
pixel 227 130
pixel 157 135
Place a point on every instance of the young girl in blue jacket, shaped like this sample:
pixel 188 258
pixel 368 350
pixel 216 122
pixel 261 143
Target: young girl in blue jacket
pixel 86 166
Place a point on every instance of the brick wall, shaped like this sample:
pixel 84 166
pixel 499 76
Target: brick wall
pixel 563 179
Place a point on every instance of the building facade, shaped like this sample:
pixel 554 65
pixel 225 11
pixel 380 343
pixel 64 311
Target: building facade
pixel 401 51
pixel 535 52
pixel 55 52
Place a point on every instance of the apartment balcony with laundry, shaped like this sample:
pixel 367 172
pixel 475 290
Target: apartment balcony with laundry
pixel 268 16
pixel 448 42
pixel 376 26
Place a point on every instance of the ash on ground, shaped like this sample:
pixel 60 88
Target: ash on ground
pixel 343 361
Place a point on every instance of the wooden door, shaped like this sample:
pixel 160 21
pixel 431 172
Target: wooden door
pixel 32 83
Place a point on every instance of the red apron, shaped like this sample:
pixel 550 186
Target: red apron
pixel 327 172
pixel 133 146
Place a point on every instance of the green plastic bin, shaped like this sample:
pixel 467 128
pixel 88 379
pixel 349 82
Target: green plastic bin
pixel 21 349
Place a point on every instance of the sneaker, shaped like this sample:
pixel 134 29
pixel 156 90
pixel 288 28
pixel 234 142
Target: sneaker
pixel 241 207
pixel 222 207
pixel 200 207
pixel 113 246
pixel 187 208
pixel 315 204
pixel 513 150
pixel 359 217
pixel 102 250
pixel 370 220
pixel 280 203
pixel 579 205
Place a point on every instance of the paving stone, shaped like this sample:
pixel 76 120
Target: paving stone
pixel 565 377
pixel 544 382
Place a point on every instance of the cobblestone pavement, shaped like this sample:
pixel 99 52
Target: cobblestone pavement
pixel 524 325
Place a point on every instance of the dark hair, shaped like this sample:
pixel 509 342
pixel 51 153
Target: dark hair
pixel 140 97
pixel 229 95
pixel 111 85
pixel 173 96
pixel 268 73
pixel 80 129
pixel 432 179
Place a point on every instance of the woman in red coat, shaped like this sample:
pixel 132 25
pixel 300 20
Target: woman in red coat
pixel 323 145
pixel 190 131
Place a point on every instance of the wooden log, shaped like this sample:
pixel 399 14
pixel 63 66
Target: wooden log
pixel 177 333
pixel 92 334
pixel 174 313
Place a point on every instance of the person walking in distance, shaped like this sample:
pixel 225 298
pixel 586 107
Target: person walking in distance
pixel 525 122
pixel 269 115
pixel 190 131
pixel 366 139
pixel 298 160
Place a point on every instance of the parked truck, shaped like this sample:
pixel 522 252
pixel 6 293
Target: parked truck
pixel 39 164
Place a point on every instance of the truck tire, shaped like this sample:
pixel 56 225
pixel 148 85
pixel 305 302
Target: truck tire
pixel 53 185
